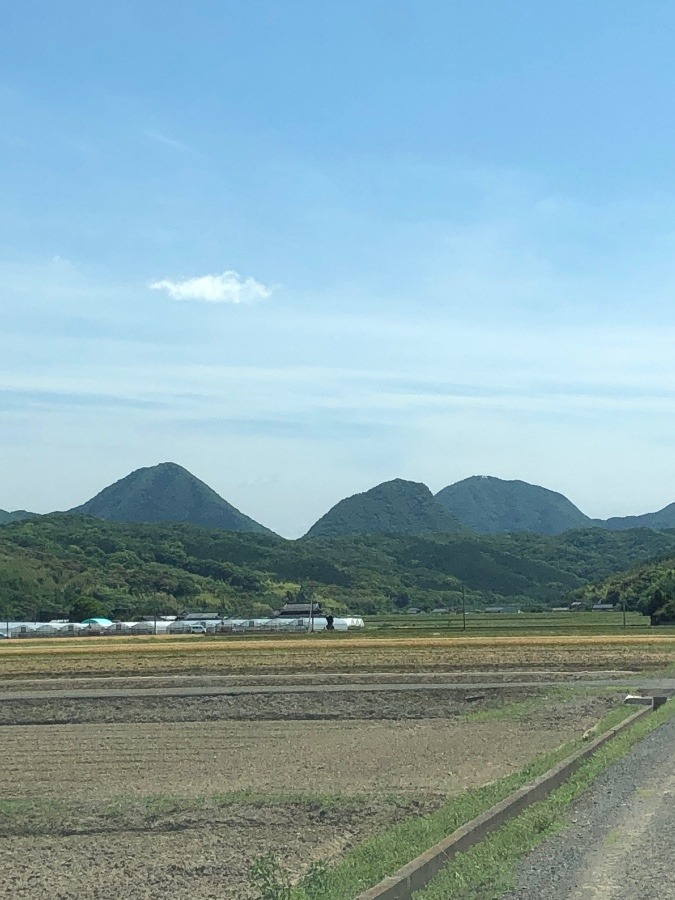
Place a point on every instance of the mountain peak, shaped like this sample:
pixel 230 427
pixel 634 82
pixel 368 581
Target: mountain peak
pixel 166 492
pixel 491 505
pixel 393 507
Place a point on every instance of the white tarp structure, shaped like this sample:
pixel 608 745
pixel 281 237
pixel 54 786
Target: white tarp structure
pixel 176 626
pixel 179 627
pixel 74 628
pixel 22 629
pixel 49 629
pixel 119 628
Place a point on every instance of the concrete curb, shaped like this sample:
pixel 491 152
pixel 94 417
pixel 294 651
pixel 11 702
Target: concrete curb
pixel 417 873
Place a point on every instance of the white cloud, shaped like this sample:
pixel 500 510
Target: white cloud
pixel 229 287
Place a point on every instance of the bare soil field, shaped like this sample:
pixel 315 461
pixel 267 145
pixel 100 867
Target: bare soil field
pixel 425 702
pixel 191 759
pixel 146 805
pixel 175 796
pixel 191 854
pixel 164 682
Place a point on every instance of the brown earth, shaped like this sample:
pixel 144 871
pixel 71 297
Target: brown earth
pixel 142 807
pixel 192 855
pixel 109 682
pixel 195 758
pixel 344 705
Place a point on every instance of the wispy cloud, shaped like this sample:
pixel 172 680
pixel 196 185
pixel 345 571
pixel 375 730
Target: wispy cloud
pixel 164 139
pixel 229 287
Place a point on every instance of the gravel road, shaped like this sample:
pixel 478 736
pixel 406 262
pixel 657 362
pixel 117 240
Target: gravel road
pixel 620 842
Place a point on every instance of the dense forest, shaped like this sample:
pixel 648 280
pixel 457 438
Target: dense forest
pixel 76 566
pixel 648 587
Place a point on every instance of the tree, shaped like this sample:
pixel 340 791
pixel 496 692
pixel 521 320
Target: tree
pixel 651 605
pixel 86 608
pixel 402 599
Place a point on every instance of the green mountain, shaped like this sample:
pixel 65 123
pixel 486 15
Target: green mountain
pixel 394 507
pixel 490 505
pixel 17 516
pixel 166 493
pixel 664 518
pixel 76 565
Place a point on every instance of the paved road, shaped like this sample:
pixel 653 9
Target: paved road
pixel 620 843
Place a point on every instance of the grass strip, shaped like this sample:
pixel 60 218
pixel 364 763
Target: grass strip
pixel 487 871
pixel 384 854
pixel 518 709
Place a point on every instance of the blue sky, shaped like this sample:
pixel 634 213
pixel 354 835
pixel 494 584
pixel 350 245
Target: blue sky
pixel 301 248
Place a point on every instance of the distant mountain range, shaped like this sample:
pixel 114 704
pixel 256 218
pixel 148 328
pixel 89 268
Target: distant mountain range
pixel 394 507
pixel 481 504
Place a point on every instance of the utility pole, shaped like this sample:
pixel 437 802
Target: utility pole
pixel 624 609
pixel 463 608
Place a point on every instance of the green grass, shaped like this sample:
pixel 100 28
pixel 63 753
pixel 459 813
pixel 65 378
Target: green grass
pixel 381 855
pixel 516 710
pixel 487 871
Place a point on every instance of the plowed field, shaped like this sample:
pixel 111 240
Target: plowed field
pixel 180 809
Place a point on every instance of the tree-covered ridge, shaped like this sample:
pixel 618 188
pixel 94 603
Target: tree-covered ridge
pixel 394 507
pixel 166 493
pixel 491 505
pixel 664 518
pixel 648 587
pixel 16 516
pixel 61 565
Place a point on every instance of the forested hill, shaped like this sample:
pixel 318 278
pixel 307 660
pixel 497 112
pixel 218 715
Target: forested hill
pixel 647 586
pixel 491 505
pixel 75 565
pixel 166 493
pixel 394 507
pixel 664 518
pixel 16 516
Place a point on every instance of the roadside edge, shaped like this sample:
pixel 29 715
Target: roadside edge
pixel 418 872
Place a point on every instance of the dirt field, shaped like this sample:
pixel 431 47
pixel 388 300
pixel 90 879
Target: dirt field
pixel 186 855
pixel 142 805
pixel 149 796
pixel 325 703
pixel 191 759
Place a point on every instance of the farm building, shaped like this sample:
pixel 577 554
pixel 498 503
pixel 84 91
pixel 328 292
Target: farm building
pixel 299 610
